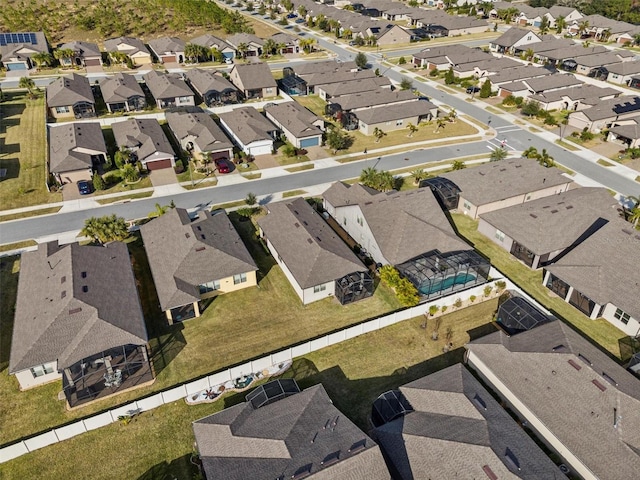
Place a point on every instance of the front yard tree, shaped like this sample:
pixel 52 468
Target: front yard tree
pixel 485 89
pixel 98 182
pixel 406 83
pixel 251 199
pixel 412 129
pixel 196 53
pixel 29 84
pixel 458 165
pixel 105 229
pixel 450 77
pixel 337 140
pixel 418 175
pixel 544 25
pixel 42 58
pixel 378 133
pixel 498 154
pixel 361 60
pixel 545 159
pixel 531 152
pixel 561 23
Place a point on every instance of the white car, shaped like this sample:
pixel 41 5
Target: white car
pixel 228 61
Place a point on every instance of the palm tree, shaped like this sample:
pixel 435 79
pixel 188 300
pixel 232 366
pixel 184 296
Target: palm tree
pixel 451 116
pixel 412 129
pixel 42 58
pixel 636 39
pixel 368 176
pixel 498 154
pixel 302 11
pixel 531 152
pixel 561 24
pixel 242 49
pixel 544 26
pixel 418 175
pixel 458 165
pixel 583 27
pixel 269 47
pixel 29 84
pixel 378 134
pixel 634 217
pixel 545 159
pixel 160 210
pixel 528 54
pixel 64 54
pixel 440 123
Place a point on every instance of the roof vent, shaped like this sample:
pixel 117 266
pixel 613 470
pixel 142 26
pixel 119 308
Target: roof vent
pixel 187 235
pixel 63 294
pixel 318 239
pixel 302 472
pixel 512 460
pixel 63 279
pixel 330 459
pixel 584 359
pixel 609 379
pixel 309 241
pixel 359 445
pixel 559 349
pixel 199 249
pixel 297 225
pixel 533 216
pixel 479 402
pixel 569 207
pixel 85 288
pixel 75 310
pixel 203 237
pixel 83 274
pixel 487 470
pixel 574 365
pixel 554 211
pixel 199 229
pixel 599 385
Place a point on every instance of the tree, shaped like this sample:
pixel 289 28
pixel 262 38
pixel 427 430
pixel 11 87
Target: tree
pixel 458 165
pixel 498 154
pixel 412 129
pixel 302 11
pixel 269 47
pixel 64 54
pixel 530 108
pixel 159 211
pixel 251 199
pixel 561 24
pixel 634 216
pixel 450 77
pixel 29 84
pixel 485 89
pixel 544 25
pixel 380 180
pixel 528 54
pixel 583 27
pixel 98 182
pixel 108 228
pixel 378 134
pixel 440 123
pixel 406 83
pixel 452 115
pixel 242 49
pixel 307 44
pixel 42 58
pixel 196 53
pixel 130 173
pixel 418 175
pixel 337 140
pixel 531 152
pixel 545 159
pixel 402 61
pixel 361 60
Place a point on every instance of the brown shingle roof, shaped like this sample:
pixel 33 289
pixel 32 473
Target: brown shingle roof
pixel 295 118
pixel 142 135
pixel 119 88
pixel 200 128
pixel 166 85
pixel 254 75
pixel 72 145
pixel 248 124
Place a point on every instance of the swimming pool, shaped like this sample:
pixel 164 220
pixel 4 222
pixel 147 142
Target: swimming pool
pixel 438 286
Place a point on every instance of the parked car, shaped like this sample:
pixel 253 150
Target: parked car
pixel 292 15
pixel 473 89
pixel 222 165
pixel 300 20
pixel 84 187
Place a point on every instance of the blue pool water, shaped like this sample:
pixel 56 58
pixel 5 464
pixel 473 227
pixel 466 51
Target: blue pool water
pixel 459 279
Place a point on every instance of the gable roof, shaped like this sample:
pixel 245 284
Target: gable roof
pixel 201 130
pixel 308 246
pixel 119 88
pixel 327 77
pixel 128 45
pixel 513 35
pixel 518 73
pixel 624 68
pixel 71 318
pixel 612 108
pixel 599 60
pixel 71 146
pixel 247 38
pixel 457 429
pixel 166 85
pixel 84 49
pixel 184 254
pixel 309 68
pixel 355 86
pixel 549 43
pixel 286 437
pixel 396 111
pixel 572 52
pixel 144 135
pixel 166 45
pixel 582 92
pixel 254 75
pixel 631 131
pixel 208 81
pixel 537 367
pixel 22 45
pixel 210 41
pixel 65 91
pixel 295 118
pixel 248 125
pixel 382 96
pixel 551 82
pixel 495 181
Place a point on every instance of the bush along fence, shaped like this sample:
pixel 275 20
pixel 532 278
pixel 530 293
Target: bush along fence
pixel 277 360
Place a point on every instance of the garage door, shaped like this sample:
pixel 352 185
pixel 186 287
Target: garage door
pixel 168 59
pixel 309 142
pixel 158 164
pixel 224 154
pixel 92 62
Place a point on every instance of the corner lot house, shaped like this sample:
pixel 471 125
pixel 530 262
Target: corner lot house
pixel 446 425
pixel 250 130
pixel 212 87
pixel 122 93
pixel 168 49
pixel 317 263
pixel 199 134
pixel 85 54
pixel 495 185
pixel 75 150
pixel 269 436
pixel 539 231
pixel 71 97
pixel 395 116
pixel 17 49
pixel 254 80
pixel 144 137
pixel 569 393
pixel 194 260
pixel 133 48
pixel 71 329
pixel 169 90
pixel 600 276
pixel 301 127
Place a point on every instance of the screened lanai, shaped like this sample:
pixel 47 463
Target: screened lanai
pixel 517 315
pixel 445 190
pixel 435 274
pixel 353 287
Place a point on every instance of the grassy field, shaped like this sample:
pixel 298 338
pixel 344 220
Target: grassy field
pixel 599 331
pixel 354 373
pixel 233 328
pixel 22 152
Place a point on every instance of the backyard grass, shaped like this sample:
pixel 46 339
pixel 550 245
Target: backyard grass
pixel 353 372
pixel 599 331
pixel 23 152
pixel 32 213
pixel 234 328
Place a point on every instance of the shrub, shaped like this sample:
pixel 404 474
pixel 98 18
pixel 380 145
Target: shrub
pixel 519 101
pixel 444 308
pixel 472 298
pixel 457 303
pixel 98 182
pixel 509 101
pixel 402 61
pixel 434 72
pixel 407 293
pixel 487 290
pixel 549 119
pixel 501 285
pixel 288 150
pixel 585 135
pixel 179 168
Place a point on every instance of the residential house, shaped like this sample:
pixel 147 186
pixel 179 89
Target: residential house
pixel 145 139
pixel 568 392
pixel 212 87
pixel 254 80
pixel 516 74
pixel 441 24
pixel 626 132
pixel 599 277
pixel 564 56
pixel 530 15
pixel 286 43
pixel 445 56
pixel 75 151
pixel 85 54
pixel 541 231
pixel 598 65
pixel 312 81
pixel 193 260
pixel 122 93
pixel 301 127
pixel 512 39
pixel 569 14
pixel 575 98
pixel 315 260
pixel 246 44
pixel 605 113
pixel 387 34
pixel 621 73
pixel 250 130
pixel 396 116
pixel 309 68
pixel 133 48
pixel 269 436
pixel 211 42
pixel 446 425
pixel 169 90
pixel 17 49
pixel 71 329
pixel 333 90
pixel 198 134
pixel 547 43
pixel 382 96
pixel 485 67
pixel 497 185
pixel 538 85
pixel 70 97
pixel 168 49
pixel 419 241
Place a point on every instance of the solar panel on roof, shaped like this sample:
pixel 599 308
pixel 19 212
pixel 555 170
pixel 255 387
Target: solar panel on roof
pixel 14 38
pixel 3 42
pixel 34 39
pixel 20 37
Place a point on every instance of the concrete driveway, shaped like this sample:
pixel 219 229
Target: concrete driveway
pixel 164 176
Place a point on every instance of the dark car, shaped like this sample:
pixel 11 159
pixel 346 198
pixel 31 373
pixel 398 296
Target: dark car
pixel 473 89
pixel 222 165
pixel 84 187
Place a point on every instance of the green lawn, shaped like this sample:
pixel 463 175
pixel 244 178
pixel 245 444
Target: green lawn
pixel 158 444
pixel 599 331
pixel 22 152
pixel 234 328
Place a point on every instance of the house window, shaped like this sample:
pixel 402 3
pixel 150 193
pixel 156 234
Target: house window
pixel 62 109
pixel 319 288
pixel 467 205
pixel 500 235
pixel 344 220
pixel 184 99
pixel 360 221
pixel 622 316
pixel 41 370
pixel 209 286
pixel 399 122
pixel 241 278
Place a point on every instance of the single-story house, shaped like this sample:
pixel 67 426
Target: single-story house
pixel 145 139
pixel 309 68
pixel 199 135
pixel 516 74
pixel 485 67
pixel 561 55
pixel 569 14
pixel 254 80
pixel 540 231
pixel 133 48
pixel 75 151
pixel 286 43
pixel 496 185
pixel 71 97
pixel 328 77
pixel 538 85
pixel 375 98
pixel 626 132
pixel 387 34
pixel 301 127
pixel 600 276
pixel 575 98
pixel 250 130
pixel 71 330
pixel 547 43
pixel 569 393
pixel 605 113
pixel 212 87
pixel 598 65
pixel 441 24
pixel 122 93
pixel 192 260
pixel 16 49
pixel 282 432
pixel 85 54
pixel 169 90
pixel 211 42
pixel 395 116
pixel 315 260
pixel 440 57
pixel 168 49
pixel 622 72
pixel 331 90
pixel 512 39
pixel 447 425
pixel 246 44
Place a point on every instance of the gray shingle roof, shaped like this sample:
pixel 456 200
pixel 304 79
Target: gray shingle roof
pixel 582 92
pixel 504 179
pixel 355 86
pixel 65 91
pixel 599 59
pixel 120 88
pixel 72 145
pixel 238 38
pixel 327 77
pixel 199 128
pixel 573 52
pixel 604 267
pixel 166 85
pixel 254 75
pixel 278 439
pixel 555 222
pixel 548 43
pixel 11 49
pixel 184 254
pixel 339 194
pixel 624 68
pixel 511 36
pixel 518 73
pixel 295 118
pixel 210 41
pixel 204 81
pixel 534 366
pixel 631 131
pixel 308 246
pixel 612 108
pixel 396 111
pixel 552 82
pixel 64 322
pixel 451 435
pixel 248 124
pixel 309 68
pixel 383 96
pixel 143 135
pixel 128 45
pixel 443 51
pixel 166 45
pixel 84 49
